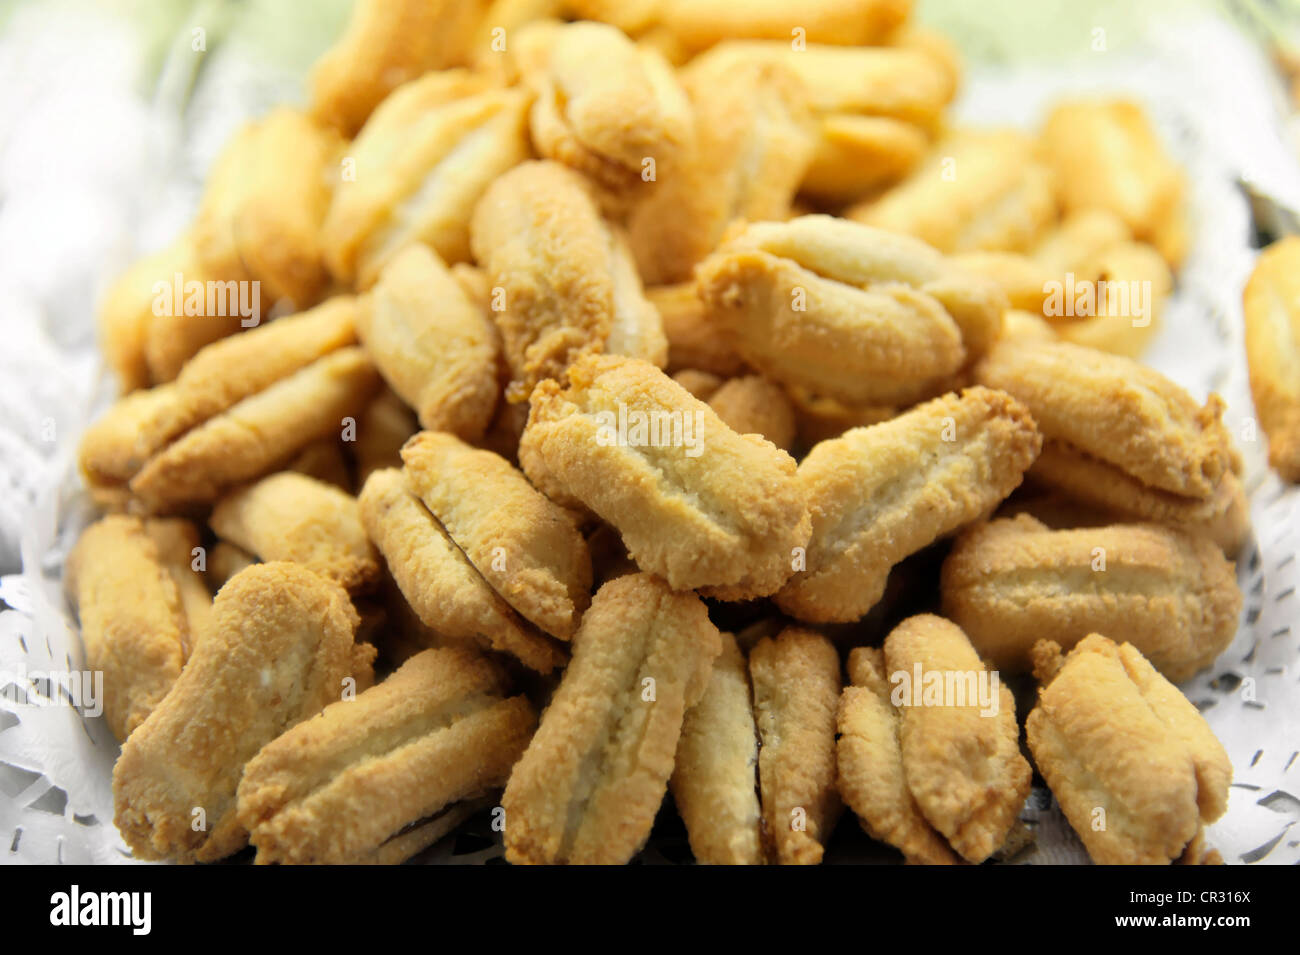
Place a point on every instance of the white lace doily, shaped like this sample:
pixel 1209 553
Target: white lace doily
pixel 93 177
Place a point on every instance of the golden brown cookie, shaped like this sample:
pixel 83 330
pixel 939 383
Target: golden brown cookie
pixel 588 787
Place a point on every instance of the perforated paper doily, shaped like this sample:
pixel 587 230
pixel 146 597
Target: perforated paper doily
pixel 1212 100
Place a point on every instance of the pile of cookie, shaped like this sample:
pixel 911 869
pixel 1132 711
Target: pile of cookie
pixel 634 369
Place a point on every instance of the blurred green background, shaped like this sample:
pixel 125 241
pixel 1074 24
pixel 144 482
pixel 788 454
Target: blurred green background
pixel 291 33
